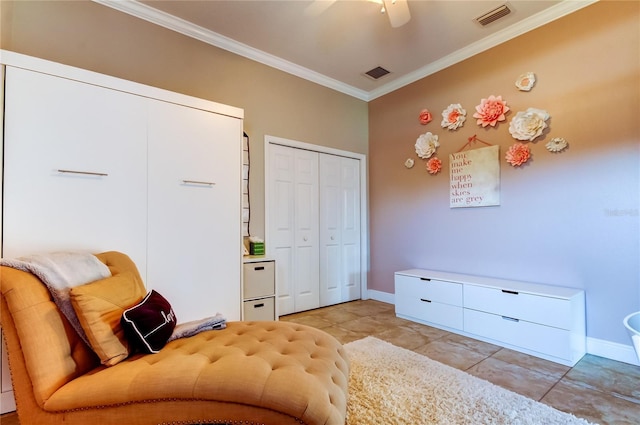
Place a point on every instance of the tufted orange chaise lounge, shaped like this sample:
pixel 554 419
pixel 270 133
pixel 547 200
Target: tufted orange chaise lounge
pixel 249 373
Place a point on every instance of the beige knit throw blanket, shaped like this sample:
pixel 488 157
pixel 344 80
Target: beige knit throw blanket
pixel 61 271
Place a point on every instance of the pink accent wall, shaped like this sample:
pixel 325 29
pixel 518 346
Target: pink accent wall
pixel 569 218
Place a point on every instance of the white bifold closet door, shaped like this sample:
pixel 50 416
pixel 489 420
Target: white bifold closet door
pixel 339 229
pixel 294 227
pixel 314 227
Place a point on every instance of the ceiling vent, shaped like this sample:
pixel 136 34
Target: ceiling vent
pixel 377 72
pixel 493 15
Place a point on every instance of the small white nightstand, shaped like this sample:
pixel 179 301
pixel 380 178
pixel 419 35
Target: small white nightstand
pixel 259 289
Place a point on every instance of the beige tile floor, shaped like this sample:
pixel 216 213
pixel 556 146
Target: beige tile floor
pixel 600 390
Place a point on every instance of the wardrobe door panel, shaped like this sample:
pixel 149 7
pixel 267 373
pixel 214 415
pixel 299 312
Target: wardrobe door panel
pixel 281 217
pixel 194 219
pixel 350 234
pixel 74 167
pixel 330 230
pixel 307 290
pixel 293 218
pixel 340 270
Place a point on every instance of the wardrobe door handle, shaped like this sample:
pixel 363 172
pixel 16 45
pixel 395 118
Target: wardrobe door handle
pixel 198 182
pixel 511 319
pixel 510 292
pixel 86 173
pixel 426 301
pixel 425 279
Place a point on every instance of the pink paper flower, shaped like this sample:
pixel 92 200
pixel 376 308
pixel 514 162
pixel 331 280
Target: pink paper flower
pixel 425 116
pixel 518 154
pixel 434 165
pixel 453 117
pixel 490 111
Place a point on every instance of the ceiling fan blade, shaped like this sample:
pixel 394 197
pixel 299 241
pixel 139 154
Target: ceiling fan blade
pixel 398 12
pixel 317 7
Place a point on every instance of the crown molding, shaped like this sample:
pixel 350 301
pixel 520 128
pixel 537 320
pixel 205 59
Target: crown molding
pixel 163 19
pixel 539 19
pixel 189 29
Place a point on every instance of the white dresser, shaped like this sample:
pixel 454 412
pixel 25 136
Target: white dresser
pixel 542 320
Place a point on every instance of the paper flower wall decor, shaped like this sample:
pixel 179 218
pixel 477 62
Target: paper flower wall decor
pixel 518 154
pixel 529 124
pixel 426 145
pixel 490 111
pixel 409 163
pixel 557 144
pixel 434 165
pixel 453 117
pixel 526 81
pixel 425 117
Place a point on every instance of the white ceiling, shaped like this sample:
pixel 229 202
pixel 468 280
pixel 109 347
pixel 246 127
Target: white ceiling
pixel 337 47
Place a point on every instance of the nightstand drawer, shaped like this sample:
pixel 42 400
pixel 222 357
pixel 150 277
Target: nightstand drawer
pixel 259 279
pixel 259 310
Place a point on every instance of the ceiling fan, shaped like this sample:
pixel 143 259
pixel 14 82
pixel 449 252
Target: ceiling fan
pixel 396 10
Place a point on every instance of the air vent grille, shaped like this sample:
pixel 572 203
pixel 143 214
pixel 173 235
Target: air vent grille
pixel 494 15
pixel 377 72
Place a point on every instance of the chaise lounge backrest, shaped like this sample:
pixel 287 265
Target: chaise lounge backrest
pixel 36 331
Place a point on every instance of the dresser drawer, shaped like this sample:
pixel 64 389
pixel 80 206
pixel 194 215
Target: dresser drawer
pixel 259 279
pixel 548 311
pixel 428 289
pixel 259 310
pixel 437 313
pixel 539 338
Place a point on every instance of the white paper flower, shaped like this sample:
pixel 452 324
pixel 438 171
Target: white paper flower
pixel 529 124
pixel 526 81
pixel 557 144
pixel 409 163
pixel 426 145
pixel 453 117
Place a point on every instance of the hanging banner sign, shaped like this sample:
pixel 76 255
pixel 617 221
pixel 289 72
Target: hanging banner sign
pixel 474 178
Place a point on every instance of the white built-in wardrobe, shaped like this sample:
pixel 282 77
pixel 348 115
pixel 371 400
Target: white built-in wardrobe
pixel 314 224
pixel 96 163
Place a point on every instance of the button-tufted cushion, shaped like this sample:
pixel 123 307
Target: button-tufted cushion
pixel 286 367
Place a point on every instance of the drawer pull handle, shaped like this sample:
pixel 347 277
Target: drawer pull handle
pixel 426 279
pixel 258 305
pixel 259 268
pixel 511 319
pixel 510 292
pixel 426 301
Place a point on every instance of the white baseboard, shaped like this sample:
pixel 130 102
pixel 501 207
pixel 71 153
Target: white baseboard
pixel 384 297
pixel 612 350
pixel 597 347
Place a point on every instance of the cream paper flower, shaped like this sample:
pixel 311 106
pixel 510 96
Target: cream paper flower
pixel 557 144
pixel 453 117
pixel 426 145
pixel 529 124
pixel 526 81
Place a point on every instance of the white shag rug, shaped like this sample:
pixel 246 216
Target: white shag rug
pixel 392 385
